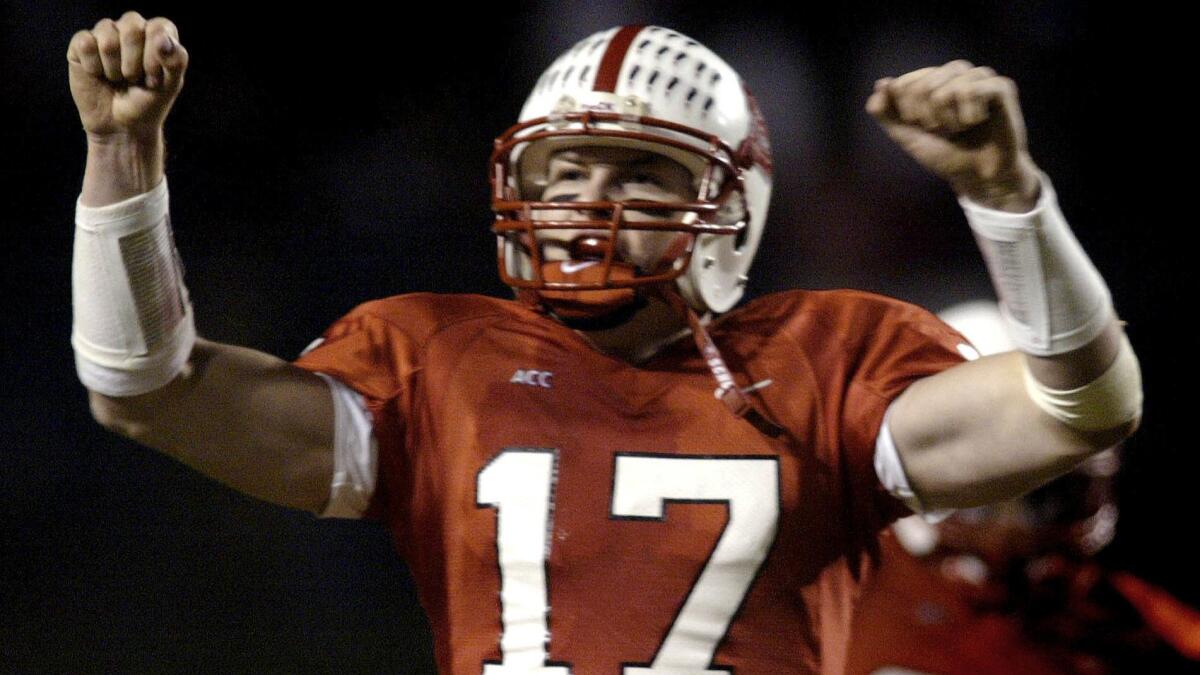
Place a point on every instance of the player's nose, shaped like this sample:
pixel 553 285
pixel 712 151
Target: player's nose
pixel 601 186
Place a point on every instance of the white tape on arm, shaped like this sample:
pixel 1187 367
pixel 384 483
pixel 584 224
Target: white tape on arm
pixel 1054 301
pixel 1109 401
pixel 1051 296
pixel 133 327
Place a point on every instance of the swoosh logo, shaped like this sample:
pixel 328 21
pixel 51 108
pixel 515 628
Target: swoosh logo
pixel 569 267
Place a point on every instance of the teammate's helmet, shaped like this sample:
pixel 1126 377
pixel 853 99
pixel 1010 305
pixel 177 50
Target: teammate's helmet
pixel 648 88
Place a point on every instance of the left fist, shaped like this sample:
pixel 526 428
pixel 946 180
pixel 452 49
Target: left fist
pixel 963 123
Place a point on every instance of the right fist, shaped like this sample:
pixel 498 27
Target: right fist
pixel 125 74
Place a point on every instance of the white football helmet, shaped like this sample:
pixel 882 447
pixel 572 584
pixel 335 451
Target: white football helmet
pixel 648 88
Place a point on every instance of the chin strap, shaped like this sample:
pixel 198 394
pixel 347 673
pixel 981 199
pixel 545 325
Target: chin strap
pixel 728 392
pixel 735 398
pixel 532 300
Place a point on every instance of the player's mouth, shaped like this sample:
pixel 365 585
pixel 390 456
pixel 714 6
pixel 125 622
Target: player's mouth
pixel 581 261
pixel 585 252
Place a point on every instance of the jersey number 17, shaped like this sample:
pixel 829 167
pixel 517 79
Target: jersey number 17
pixel 520 483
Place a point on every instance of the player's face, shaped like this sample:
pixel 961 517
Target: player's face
pixel 592 174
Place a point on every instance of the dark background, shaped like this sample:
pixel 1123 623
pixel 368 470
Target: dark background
pixel 320 158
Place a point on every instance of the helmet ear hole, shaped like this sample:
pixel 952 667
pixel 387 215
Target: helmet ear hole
pixel 743 234
pixel 733 211
pixel 740 238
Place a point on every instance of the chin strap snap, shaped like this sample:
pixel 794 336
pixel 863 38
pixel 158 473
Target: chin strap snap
pixel 735 398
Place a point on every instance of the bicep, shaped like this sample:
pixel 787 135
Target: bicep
pixel 245 418
pixel 970 435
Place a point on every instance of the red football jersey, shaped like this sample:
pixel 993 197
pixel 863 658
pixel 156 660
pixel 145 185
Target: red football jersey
pixel 563 511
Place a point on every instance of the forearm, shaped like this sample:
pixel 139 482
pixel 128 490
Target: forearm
pixel 1079 367
pixel 248 419
pixel 121 166
pixel 242 417
pixel 1020 193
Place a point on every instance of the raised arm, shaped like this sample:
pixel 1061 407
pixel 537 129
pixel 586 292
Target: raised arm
pixel 245 418
pixel 997 427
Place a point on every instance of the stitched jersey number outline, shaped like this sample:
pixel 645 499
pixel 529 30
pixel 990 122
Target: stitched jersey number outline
pixel 520 484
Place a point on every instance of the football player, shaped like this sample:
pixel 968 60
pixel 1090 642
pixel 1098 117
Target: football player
pixel 604 475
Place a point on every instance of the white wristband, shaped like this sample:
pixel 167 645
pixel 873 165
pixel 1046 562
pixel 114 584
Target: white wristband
pixel 133 327
pixel 1051 296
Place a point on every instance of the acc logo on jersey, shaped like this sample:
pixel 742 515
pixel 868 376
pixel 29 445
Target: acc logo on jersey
pixel 533 378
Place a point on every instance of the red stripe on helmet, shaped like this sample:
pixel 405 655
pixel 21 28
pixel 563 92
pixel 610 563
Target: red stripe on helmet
pixel 614 56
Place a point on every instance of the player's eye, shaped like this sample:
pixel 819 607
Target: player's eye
pixel 567 175
pixel 646 178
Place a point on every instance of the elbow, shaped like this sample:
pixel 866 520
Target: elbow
pixel 1101 413
pixel 132 416
pixel 107 412
pixel 1101 440
pixel 118 415
pixel 114 417
pixel 135 417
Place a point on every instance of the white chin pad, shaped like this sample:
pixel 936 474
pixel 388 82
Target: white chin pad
pixel 133 327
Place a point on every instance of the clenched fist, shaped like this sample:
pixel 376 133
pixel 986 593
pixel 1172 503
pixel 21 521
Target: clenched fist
pixel 125 74
pixel 964 124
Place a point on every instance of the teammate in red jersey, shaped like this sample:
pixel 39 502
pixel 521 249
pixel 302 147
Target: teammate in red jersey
pixel 603 476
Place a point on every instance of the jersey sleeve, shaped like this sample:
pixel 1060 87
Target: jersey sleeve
pixel 355 453
pixel 904 344
pixel 373 357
